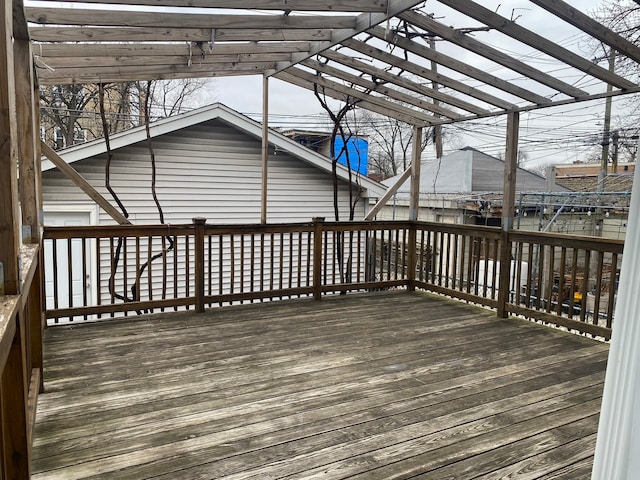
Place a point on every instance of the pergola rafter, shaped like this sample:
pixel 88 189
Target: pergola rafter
pixel 374 50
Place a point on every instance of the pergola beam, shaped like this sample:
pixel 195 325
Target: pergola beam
pixel 401 81
pixel 127 18
pixel 512 29
pixel 309 84
pixel 289 5
pixel 365 96
pixel 588 25
pixel 150 34
pixel 96 51
pixel 397 39
pixel 381 89
pixel 363 22
pixel 119 74
pixel 426 73
pixel 493 54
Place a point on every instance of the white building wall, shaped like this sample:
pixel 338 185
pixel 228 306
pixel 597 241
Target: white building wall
pixel 210 170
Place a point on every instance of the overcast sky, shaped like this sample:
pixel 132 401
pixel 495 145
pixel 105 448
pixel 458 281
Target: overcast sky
pixel 546 135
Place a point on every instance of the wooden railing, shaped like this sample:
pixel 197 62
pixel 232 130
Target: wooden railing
pixel 139 269
pixel 21 324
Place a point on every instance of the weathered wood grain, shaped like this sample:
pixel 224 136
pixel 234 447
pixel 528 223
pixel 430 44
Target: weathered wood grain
pixel 351 385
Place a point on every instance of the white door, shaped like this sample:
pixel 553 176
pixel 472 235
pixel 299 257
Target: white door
pixel 80 277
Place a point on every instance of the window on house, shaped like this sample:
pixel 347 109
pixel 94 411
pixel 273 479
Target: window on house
pixel 79 135
pixel 59 138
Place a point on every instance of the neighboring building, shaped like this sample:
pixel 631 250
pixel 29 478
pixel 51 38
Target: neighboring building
pixel 462 187
pixel 583 177
pixel 357 147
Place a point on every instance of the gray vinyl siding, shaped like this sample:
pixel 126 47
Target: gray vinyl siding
pixel 210 170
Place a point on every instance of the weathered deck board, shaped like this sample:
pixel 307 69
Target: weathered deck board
pixel 378 385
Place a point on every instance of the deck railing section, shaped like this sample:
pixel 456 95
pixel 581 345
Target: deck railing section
pixel 565 280
pixel 21 327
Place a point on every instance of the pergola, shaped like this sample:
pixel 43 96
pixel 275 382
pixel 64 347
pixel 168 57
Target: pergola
pixel 380 55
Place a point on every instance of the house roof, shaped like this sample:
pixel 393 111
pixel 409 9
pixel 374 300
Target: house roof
pixel 229 116
pixel 470 171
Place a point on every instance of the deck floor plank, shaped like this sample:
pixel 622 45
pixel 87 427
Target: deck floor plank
pixel 378 385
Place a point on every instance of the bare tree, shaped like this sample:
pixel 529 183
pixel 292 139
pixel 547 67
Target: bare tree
pixel 70 113
pixel 390 143
pixel 623 17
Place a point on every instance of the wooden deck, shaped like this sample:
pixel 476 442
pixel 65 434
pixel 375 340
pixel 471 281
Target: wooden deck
pixel 375 386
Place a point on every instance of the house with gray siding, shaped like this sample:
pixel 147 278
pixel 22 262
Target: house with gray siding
pixel 463 187
pixel 208 164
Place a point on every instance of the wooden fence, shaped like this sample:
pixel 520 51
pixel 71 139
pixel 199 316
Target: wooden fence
pixel 564 280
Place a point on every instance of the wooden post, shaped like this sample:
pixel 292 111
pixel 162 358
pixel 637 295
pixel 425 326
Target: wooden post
pixel 508 205
pixel 317 257
pixel 29 192
pixel 9 213
pixel 13 399
pixel 411 258
pixel 199 223
pixel 416 151
pixel 265 148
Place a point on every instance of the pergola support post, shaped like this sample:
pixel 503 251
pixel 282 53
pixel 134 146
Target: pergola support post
pixel 265 148
pixel 508 205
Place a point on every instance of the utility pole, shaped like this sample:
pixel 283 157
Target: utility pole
pixel 607 127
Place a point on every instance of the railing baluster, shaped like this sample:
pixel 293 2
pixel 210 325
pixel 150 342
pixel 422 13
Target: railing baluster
pixel 242 258
pixel 281 264
pixel 56 272
pixel 85 276
pixel 572 292
pixel 530 274
pixel 612 289
pixel 598 290
pixel 253 263
pixel 585 285
pixel 210 267
pixel 485 279
pixel 220 266
pixel 98 276
pixel 540 267
pixel 271 260
pixel 232 263
pixel 262 247
pixel 518 286
pixel 563 263
pixel 495 273
pixel 175 268
pixel 70 275
pixel 125 267
pixel 150 271
pixel 550 278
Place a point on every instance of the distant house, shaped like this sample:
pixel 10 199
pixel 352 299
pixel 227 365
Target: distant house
pixel 464 186
pixel 357 147
pixel 584 177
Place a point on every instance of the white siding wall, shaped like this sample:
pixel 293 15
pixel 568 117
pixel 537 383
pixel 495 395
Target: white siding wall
pixel 210 170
